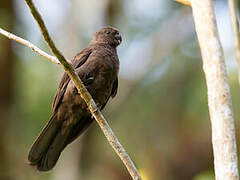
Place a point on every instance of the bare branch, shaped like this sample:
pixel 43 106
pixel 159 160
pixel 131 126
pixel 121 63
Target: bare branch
pixel 219 97
pixel 27 43
pixel 186 2
pixel 86 96
pixel 235 30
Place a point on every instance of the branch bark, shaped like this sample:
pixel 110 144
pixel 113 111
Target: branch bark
pixel 96 113
pixel 235 29
pixel 28 44
pixel 219 98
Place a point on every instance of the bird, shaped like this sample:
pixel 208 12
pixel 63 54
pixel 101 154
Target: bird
pixel 97 66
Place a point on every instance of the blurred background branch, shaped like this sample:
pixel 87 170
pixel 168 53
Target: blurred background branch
pixel 7 61
pixel 235 31
pixel 186 2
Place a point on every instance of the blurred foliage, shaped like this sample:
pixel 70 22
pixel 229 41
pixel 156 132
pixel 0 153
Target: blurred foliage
pixel 160 113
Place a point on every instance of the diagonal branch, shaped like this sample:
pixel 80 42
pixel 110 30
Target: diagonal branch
pixel 235 29
pixel 112 139
pixel 27 43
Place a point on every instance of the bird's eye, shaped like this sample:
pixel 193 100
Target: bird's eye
pixel 107 32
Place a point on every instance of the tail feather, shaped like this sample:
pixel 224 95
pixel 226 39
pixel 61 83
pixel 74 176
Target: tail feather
pixel 40 146
pixel 55 136
pixel 78 129
pixel 49 159
pixel 65 136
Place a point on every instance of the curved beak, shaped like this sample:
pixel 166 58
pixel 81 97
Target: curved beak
pixel 118 38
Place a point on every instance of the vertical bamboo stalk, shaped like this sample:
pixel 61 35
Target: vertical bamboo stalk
pixel 219 98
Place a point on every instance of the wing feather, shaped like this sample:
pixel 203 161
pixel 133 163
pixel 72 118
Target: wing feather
pixel 78 61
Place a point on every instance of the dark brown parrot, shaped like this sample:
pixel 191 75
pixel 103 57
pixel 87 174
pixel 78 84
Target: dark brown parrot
pixel 97 66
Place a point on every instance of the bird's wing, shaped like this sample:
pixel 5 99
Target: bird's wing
pixel 78 61
pixel 113 92
pixel 114 88
pixel 42 154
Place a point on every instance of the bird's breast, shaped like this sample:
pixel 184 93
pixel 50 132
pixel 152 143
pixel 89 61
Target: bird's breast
pixel 104 76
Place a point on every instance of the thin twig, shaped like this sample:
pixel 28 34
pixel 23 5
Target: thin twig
pixel 28 44
pixel 86 96
pixel 219 97
pixel 186 2
pixel 235 29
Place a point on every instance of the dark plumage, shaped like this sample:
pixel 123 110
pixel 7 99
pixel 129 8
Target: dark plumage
pixel 97 66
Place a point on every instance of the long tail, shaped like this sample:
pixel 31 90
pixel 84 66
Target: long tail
pixel 42 143
pixel 55 136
